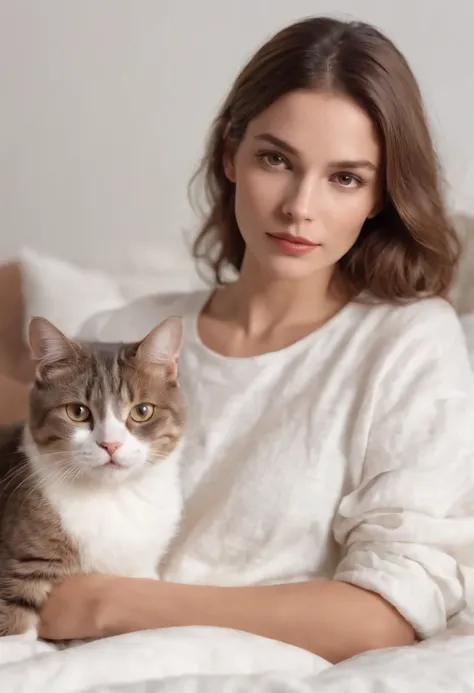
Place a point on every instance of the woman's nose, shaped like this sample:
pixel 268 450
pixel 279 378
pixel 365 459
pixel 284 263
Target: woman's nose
pixel 299 204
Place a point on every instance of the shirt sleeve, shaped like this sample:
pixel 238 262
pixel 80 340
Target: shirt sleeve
pixel 407 523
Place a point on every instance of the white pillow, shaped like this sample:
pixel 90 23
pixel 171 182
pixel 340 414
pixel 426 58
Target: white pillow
pixel 69 295
pixel 467 322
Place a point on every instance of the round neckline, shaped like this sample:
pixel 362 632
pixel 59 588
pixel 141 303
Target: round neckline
pixel 193 320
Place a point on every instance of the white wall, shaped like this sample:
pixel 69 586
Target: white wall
pixel 105 105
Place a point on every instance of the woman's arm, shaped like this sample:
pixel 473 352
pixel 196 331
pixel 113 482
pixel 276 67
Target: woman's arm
pixel 332 619
pixel 407 524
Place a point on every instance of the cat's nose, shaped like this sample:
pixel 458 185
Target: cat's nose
pixel 110 447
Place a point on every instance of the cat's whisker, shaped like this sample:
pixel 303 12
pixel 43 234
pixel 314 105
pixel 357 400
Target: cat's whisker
pixel 67 458
pixel 30 476
pixel 14 473
pixel 11 477
pixel 79 472
pixel 41 478
pixel 41 482
pixel 59 454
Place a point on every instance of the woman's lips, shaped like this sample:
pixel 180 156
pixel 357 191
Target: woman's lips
pixel 293 245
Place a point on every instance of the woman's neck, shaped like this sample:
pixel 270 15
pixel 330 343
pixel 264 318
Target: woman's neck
pixel 259 304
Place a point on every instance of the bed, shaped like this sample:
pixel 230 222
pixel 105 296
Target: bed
pixel 214 660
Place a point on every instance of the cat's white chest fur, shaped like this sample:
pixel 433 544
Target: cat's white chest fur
pixel 124 529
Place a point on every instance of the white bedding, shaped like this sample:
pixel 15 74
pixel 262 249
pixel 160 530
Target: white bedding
pixel 213 660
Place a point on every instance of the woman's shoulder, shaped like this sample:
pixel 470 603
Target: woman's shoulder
pixel 134 320
pixel 419 344
pixel 423 319
pixel 411 361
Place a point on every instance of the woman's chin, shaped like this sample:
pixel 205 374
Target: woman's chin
pixel 291 268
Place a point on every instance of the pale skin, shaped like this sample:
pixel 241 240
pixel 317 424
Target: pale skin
pixel 309 166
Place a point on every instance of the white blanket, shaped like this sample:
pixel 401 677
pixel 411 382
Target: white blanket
pixel 214 660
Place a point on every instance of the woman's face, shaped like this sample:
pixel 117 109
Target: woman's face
pixel 307 176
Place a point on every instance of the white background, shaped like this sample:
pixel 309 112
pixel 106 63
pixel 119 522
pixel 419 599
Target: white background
pixel 105 105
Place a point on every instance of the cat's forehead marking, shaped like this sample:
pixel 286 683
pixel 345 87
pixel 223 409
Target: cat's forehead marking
pixel 106 384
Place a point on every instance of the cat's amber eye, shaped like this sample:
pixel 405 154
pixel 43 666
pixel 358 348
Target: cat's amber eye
pixel 142 412
pixel 78 412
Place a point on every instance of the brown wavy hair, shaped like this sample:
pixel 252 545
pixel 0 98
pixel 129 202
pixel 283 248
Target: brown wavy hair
pixel 410 249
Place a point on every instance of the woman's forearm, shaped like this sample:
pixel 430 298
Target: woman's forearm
pixel 332 619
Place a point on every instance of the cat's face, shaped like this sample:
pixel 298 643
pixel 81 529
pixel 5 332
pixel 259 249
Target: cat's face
pixel 105 413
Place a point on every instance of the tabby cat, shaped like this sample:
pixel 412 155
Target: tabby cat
pixel 90 483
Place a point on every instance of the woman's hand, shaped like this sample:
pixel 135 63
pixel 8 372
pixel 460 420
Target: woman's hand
pixel 76 607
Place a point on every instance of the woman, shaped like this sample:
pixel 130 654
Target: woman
pixel 329 453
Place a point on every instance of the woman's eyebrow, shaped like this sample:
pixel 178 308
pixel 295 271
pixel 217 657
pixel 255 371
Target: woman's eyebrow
pixel 356 163
pixel 272 139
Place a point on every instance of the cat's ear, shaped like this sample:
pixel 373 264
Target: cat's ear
pixel 47 343
pixel 163 344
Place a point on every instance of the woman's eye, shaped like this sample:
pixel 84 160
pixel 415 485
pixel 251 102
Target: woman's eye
pixel 78 413
pixel 347 180
pixel 142 412
pixel 273 160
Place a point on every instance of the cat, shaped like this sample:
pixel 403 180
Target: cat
pixel 90 483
